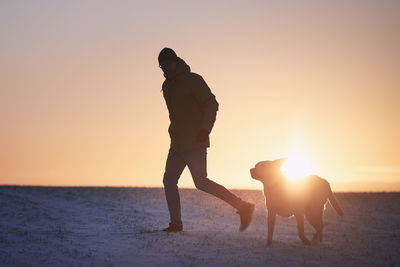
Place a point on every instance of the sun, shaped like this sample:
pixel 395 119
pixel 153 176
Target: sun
pixel 296 167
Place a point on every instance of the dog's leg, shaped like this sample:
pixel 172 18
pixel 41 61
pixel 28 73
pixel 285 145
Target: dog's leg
pixel 320 224
pixel 300 228
pixel 271 226
pixel 315 219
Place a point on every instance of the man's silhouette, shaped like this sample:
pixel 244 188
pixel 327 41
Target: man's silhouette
pixel 192 111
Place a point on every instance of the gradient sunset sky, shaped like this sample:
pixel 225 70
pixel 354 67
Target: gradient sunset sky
pixel 80 100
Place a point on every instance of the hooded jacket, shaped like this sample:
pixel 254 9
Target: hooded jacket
pixel 191 106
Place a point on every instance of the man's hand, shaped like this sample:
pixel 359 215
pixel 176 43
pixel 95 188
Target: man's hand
pixel 202 135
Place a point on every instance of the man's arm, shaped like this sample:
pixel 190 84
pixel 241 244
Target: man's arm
pixel 207 103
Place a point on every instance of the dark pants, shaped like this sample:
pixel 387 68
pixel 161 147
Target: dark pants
pixel 196 160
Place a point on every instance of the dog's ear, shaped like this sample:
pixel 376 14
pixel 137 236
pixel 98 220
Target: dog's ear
pixel 279 162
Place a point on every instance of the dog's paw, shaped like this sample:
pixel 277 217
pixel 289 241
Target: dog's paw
pixel 316 239
pixel 306 241
pixel 268 244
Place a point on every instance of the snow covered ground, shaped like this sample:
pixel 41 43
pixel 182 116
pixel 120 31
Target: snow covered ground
pixel 47 226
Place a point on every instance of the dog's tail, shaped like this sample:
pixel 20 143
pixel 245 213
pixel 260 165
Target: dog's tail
pixel 334 203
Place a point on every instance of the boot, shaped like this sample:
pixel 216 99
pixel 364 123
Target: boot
pixel 173 227
pixel 246 213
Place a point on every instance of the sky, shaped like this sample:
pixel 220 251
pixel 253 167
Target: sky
pixel 80 99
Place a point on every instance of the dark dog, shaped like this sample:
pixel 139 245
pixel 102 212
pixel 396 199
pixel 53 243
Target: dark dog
pixel 306 197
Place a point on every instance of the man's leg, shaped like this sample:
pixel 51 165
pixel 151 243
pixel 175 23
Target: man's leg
pixel 173 170
pixel 197 163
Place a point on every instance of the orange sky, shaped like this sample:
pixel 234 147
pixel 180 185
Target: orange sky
pixel 80 100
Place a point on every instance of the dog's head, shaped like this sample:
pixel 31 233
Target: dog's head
pixel 267 172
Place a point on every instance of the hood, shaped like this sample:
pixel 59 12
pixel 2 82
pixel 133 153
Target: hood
pixel 181 67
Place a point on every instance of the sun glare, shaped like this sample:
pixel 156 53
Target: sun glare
pixel 296 167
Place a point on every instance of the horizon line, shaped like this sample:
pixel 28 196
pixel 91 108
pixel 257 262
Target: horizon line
pixel 160 187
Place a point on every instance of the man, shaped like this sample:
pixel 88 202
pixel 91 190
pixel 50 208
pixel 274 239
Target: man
pixel 192 111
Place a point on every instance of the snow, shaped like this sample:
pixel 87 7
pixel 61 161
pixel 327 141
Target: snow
pixel 89 226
